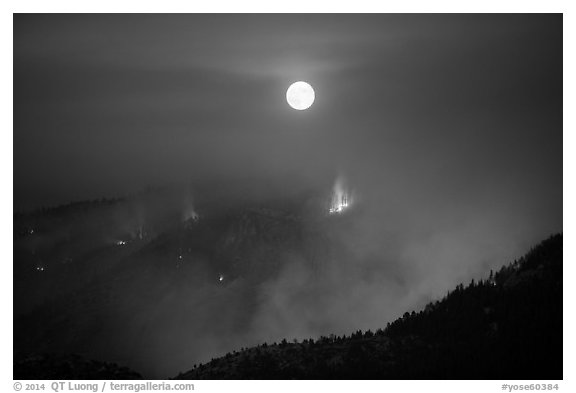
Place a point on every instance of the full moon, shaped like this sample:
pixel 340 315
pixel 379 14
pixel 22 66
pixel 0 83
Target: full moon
pixel 300 95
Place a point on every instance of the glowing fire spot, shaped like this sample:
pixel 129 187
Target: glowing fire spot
pixel 340 198
pixel 120 243
pixel 221 278
pixel 339 206
pixel 190 217
pixel 190 214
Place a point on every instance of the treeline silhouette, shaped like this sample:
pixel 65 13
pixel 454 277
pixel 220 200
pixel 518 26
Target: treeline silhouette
pixel 54 366
pixel 505 326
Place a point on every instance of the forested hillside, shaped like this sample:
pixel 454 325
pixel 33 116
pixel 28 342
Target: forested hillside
pixel 505 326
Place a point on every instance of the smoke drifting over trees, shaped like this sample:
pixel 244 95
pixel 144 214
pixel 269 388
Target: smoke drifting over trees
pixel 442 134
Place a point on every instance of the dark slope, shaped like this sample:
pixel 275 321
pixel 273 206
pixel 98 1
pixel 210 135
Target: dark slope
pixel 69 367
pixel 77 291
pixel 508 326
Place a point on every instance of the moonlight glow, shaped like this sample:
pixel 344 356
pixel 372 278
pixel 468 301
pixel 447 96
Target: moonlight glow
pixel 300 95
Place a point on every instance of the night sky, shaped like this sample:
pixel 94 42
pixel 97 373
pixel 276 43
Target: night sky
pixel 446 107
pixel 448 127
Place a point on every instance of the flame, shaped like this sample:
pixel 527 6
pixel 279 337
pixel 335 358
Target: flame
pixel 189 214
pixel 341 199
pixel 190 217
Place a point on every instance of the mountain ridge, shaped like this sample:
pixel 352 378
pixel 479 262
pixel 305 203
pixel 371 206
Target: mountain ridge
pixel 506 326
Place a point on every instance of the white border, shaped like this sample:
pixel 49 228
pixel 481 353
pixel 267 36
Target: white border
pixel 421 6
